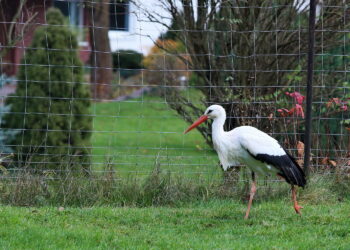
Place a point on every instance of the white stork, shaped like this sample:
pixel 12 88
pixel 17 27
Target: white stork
pixel 254 148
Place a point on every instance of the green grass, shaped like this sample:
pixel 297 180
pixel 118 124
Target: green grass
pixel 137 133
pixel 197 213
pixel 210 225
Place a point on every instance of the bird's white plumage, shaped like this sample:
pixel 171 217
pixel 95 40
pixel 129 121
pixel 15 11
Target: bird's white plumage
pixel 239 145
pixel 258 142
pixel 254 148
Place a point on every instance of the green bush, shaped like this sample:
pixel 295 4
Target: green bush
pixel 127 62
pixel 51 106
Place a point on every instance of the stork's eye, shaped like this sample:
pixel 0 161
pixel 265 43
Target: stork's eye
pixel 209 111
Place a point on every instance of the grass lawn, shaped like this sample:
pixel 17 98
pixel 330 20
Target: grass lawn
pixel 210 225
pixel 137 133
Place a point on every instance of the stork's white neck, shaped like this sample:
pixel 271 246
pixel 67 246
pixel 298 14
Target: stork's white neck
pixel 218 126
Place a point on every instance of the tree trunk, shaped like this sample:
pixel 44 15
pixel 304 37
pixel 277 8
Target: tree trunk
pixel 101 57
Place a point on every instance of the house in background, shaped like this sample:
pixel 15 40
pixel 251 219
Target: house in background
pixel 129 28
pixel 11 52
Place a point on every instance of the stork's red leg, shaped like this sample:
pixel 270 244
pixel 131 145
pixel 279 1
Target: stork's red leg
pixel 251 196
pixel 294 198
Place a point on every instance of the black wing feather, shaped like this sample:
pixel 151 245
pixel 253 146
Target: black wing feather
pixel 287 166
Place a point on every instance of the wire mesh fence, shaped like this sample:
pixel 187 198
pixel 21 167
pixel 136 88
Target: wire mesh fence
pixel 109 86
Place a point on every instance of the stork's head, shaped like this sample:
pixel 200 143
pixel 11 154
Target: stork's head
pixel 212 112
pixel 215 111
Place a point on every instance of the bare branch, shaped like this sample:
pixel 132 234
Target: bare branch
pixel 11 38
pixel 235 44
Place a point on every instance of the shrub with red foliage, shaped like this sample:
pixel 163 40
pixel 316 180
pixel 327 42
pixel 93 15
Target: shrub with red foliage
pixel 297 110
pixel 341 104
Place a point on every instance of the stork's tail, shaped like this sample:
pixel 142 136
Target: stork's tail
pixel 287 167
pixel 292 172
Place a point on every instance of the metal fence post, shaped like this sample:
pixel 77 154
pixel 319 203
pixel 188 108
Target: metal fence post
pixel 310 71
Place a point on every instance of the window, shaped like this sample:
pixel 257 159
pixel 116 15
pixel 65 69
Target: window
pixel 71 9
pixel 119 15
pixel 62 6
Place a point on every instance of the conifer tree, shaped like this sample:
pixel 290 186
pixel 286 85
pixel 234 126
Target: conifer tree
pixel 51 105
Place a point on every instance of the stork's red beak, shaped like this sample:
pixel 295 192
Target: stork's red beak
pixel 200 120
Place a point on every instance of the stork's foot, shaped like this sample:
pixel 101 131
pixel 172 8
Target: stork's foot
pixel 294 198
pixel 298 208
pixel 246 216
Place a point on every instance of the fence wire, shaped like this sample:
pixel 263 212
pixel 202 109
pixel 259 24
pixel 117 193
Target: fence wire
pixel 102 84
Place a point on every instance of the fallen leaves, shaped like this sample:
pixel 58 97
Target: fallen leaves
pixel 300 151
pixel 328 162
